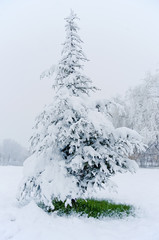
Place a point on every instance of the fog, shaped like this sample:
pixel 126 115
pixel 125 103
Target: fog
pixel 121 39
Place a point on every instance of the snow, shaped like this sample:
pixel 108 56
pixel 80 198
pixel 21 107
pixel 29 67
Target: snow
pixel 52 181
pixel 31 222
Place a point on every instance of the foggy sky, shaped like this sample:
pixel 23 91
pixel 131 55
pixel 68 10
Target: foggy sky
pixel 121 39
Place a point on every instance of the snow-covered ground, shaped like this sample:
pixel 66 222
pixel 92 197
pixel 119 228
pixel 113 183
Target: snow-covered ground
pixel 31 223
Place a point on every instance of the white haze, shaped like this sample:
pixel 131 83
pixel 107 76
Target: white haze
pixel 120 38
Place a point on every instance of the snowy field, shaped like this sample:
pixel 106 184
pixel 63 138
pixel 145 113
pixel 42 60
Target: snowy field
pixel 31 223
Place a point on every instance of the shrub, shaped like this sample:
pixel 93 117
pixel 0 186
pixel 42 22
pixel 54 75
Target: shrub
pixel 92 208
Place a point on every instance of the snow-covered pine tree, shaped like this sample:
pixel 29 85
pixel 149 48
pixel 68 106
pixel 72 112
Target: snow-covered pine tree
pixel 75 147
pixel 68 72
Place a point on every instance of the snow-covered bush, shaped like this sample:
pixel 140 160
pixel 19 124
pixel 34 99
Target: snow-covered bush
pixel 75 148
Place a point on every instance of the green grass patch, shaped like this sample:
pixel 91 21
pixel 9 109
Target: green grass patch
pixel 93 208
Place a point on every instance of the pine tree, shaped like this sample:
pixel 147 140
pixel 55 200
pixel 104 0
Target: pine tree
pixel 68 72
pixel 75 147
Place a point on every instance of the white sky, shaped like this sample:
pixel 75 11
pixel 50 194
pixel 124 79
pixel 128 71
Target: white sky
pixel 121 39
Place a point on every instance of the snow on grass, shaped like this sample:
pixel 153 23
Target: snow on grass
pixel 32 223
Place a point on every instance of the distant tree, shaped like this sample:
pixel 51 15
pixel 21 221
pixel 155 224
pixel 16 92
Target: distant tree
pixel 12 153
pixel 143 108
pixel 75 148
pixel 141 113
